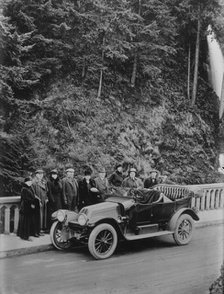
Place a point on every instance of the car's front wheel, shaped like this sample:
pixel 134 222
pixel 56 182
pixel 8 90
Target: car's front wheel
pixel 184 229
pixel 102 241
pixel 59 234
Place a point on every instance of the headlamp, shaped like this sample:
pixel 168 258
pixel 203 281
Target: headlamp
pixel 82 219
pixel 60 215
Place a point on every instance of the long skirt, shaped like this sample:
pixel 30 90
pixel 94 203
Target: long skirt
pixel 25 226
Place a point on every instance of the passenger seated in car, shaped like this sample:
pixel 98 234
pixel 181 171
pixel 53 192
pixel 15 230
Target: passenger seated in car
pixel 146 196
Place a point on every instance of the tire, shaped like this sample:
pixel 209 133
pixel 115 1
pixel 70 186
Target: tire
pixel 59 236
pixel 184 229
pixel 102 241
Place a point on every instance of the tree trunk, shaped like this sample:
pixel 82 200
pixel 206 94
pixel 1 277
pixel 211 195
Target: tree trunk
pixel 134 71
pixel 101 71
pixel 194 90
pixel 84 69
pixel 189 73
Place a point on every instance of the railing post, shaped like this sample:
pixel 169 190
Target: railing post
pixel 207 199
pixel 7 220
pixel 193 202
pixel 212 200
pixel 16 219
pixel 203 200
pixel 221 202
pixel 216 199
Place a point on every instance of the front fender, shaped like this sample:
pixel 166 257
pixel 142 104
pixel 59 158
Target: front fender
pixel 174 218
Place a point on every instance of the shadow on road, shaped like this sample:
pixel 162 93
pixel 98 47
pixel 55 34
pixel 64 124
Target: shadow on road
pixel 128 247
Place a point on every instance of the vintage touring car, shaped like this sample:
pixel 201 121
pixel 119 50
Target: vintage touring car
pixel 140 214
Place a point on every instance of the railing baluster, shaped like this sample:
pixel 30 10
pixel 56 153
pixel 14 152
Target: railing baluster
pixel 203 200
pixel 207 200
pixel 7 220
pixel 16 219
pixel 212 199
pixel 221 202
pixel 216 199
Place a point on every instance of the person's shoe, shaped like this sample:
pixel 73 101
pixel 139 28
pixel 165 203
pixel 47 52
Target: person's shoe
pixel 41 234
pixel 36 235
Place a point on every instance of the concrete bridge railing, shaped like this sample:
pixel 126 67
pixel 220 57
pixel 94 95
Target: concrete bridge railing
pixel 9 214
pixel 208 197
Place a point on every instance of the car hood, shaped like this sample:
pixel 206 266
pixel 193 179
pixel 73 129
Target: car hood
pixel 111 208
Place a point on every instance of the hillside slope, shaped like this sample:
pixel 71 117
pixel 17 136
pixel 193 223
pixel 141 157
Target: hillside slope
pixel 71 126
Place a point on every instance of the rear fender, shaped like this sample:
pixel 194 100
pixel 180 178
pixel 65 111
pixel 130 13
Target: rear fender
pixel 174 218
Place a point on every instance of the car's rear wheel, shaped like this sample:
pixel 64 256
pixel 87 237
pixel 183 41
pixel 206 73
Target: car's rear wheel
pixel 59 234
pixel 184 229
pixel 102 241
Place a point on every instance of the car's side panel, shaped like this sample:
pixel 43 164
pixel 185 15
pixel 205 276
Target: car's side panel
pixel 162 212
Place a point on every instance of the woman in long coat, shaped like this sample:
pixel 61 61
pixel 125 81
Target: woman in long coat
pixel 54 191
pixel 54 195
pixel 27 209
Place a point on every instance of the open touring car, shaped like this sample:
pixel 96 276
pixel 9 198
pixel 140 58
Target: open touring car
pixel 140 214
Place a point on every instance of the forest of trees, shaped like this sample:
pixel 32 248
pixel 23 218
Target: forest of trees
pixel 106 81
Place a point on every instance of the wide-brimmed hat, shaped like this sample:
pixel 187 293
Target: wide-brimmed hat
pixel 39 171
pixel 27 179
pixel 54 171
pixel 101 170
pixel 70 170
pixel 153 171
pixel 88 171
pixel 132 169
pixel 118 165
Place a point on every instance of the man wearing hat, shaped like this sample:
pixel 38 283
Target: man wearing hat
pixel 152 180
pixel 40 191
pixel 87 196
pixel 101 181
pixel 70 190
pixel 132 181
pixel 117 178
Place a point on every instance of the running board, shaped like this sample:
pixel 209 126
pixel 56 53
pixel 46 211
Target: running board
pixel 131 237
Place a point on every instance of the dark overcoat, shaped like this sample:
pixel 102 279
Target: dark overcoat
pixel 54 194
pixel 116 179
pixel 70 193
pixel 86 196
pixel 26 213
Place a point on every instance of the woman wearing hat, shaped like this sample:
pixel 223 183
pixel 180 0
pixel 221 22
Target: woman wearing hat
pixel 132 181
pixel 54 193
pixel 27 210
pixel 117 178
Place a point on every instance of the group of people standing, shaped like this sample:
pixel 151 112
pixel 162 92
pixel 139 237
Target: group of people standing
pixel 40 198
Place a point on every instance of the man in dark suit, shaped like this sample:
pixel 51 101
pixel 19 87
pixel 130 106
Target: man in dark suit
pixel 152 180
pixel 70 190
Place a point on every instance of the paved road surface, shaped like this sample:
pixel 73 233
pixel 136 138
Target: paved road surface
pixel 151 266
